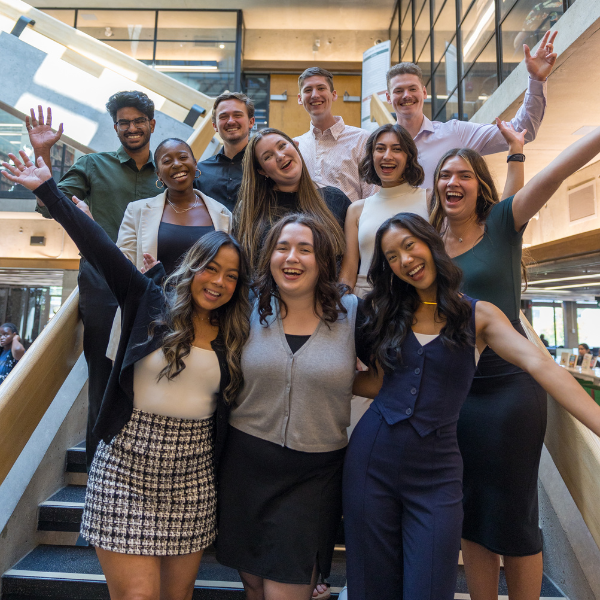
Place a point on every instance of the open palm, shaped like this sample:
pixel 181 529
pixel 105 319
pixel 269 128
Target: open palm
pixel 25 172
pixel 540 64
pixel 41 135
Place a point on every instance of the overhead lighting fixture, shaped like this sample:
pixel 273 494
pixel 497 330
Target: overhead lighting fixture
pixel 190 68
pixel 564 287
pixel 221 46
pixel 589 276
pixel 485 19
pixel 585 130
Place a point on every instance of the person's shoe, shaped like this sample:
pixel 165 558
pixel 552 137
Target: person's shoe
pixel 343 594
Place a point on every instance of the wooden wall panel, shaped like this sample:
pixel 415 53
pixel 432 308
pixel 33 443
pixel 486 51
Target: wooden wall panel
pixel 289 116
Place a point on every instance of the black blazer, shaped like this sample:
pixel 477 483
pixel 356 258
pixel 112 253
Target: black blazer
pixel 141 301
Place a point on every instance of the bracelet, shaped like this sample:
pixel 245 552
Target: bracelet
pixel 515 158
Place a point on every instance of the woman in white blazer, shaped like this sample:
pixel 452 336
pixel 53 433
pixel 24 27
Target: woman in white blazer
pixel 163 228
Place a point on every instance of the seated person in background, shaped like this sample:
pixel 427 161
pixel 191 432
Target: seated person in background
pixel 583 350
pixel 12 349
pixel 544 340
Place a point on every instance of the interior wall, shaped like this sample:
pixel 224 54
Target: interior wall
pixel 289 116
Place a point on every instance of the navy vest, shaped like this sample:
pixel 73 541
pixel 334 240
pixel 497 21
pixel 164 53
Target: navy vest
pixel 430 385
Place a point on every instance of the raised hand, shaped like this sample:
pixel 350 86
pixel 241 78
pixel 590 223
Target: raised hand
pixel 26 173
pixel 540 64
pixel 514 139
pixel 82 206
pixel 149 262
pixel 41 135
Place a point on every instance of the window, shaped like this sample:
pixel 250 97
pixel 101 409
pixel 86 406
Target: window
pixel 548 320
pixel 481 79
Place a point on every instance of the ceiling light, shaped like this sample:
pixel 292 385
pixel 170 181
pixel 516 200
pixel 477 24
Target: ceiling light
pixel 221 46
pixel 585 130
pixel 185 68
pixel 590 276
pixel 578 285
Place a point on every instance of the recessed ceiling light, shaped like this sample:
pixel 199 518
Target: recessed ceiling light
pixel 221 46
pixel 585 130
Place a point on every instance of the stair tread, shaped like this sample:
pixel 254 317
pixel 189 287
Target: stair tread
pixel 70 493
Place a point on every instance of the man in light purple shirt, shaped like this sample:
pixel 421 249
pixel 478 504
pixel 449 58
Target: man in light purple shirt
pixel 407 92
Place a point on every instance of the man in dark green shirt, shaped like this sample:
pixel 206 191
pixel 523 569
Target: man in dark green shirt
pixel 107 182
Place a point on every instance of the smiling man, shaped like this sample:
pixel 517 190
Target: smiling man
pixel 331 149
pixel 221 175
pixel 406 92
pixel 108 182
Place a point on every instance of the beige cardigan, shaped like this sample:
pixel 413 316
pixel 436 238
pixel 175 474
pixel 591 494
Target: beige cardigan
pixel 138 234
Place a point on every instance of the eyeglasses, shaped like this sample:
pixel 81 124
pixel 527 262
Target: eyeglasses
pixel 124 124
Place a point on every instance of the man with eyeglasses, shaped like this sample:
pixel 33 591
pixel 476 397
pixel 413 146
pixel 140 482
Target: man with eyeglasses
pixel 108 182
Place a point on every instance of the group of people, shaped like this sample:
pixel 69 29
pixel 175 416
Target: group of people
pixel 222 397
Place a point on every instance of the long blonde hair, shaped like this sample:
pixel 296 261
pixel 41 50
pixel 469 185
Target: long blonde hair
pixel 233 318
pixel 254 212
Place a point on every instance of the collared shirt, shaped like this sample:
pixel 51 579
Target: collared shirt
pixel 332 158
pixel 108 182
pixel 221 177
pixel 435 139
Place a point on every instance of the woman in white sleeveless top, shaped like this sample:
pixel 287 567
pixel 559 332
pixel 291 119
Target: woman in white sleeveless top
pixel 390 161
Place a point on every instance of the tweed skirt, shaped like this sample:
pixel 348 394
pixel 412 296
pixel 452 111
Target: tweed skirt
pixel 151 490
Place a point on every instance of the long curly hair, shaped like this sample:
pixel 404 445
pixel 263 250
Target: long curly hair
pixel 328 293
pixel 487 194
pixel 413 171
pixel 254 212
pixel 233 318
pixel 391 304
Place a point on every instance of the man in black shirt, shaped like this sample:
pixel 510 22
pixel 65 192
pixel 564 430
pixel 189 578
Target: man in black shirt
pixel 221 175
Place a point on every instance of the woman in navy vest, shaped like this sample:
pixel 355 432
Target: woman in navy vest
pixel 403 471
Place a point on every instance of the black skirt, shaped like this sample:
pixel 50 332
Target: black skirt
pixel 500 433
pixel 278 510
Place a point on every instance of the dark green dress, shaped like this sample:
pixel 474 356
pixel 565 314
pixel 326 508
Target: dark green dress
pixel 503 421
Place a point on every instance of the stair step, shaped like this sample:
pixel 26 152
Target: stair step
pixel 63 510
pixel 76 462
pixel 59 572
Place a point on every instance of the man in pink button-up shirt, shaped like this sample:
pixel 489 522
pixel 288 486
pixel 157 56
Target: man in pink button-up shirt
pixel 407 92
pixel 331 149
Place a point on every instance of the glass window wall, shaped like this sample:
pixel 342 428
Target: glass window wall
pixel 201 48
pixel 483 49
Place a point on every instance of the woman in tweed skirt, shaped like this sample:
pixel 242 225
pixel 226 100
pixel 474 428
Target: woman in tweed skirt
pixel 150 505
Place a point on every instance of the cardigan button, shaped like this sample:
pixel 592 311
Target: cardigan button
pixel 420 351
pixel 413 391
pixel 417 371
pixel 408 411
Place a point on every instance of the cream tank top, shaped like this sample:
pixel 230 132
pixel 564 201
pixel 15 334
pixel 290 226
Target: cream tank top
pixel 191 395
pixel 386 203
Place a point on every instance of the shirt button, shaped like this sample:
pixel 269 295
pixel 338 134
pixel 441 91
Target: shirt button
pixel 408 411
pixel 413 391
pixel 417 371
pixel 420 351
pixel 230 179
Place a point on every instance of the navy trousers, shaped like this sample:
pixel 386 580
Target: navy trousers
pixel 402 511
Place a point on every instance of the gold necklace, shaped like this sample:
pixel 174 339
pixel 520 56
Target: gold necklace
pixel 196 203
pixel 423 302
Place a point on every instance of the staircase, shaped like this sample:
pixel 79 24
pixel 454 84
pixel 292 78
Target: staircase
pixel 70 570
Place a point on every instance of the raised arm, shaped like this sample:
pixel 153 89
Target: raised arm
pixel 495 330
pixel 515 177
pixel 540 188
pixel 120 274
pixel 350 262
pixel 17 349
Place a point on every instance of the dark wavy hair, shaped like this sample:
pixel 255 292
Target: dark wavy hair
pixel 172 140
pixel 328 293
pixel 413 172
pixel 233 318
pixel 134 99
pixel 14 329
pixel 391 304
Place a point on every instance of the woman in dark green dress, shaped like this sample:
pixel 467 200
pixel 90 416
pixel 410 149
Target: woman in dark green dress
pixel 502 423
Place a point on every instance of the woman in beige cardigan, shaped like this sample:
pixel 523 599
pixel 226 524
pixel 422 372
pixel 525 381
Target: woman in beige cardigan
pixel 163 228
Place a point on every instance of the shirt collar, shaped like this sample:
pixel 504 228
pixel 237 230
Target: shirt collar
pixel 336 129
pixel 125 158
pixel 427 125
pixel 237 158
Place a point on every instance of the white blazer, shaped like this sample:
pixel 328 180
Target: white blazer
pixel 138 234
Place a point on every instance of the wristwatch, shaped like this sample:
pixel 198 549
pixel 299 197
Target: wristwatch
pixel 515 158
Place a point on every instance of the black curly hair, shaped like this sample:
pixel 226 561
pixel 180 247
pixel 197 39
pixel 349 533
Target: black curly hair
pixel 134 99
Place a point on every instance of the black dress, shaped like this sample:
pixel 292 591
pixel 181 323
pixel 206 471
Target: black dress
pixel 175 240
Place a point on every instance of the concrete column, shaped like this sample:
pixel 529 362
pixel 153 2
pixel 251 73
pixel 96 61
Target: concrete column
pixel 69 283
pixel 570 324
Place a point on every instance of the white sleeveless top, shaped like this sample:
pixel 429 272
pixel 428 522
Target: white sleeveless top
pixel 191 395
pixel 386 203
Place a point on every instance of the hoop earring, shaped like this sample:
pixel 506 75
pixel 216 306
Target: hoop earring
pixel 160 187
pixel 199 173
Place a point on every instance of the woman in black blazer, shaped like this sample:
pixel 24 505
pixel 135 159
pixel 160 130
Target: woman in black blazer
pixel 150 505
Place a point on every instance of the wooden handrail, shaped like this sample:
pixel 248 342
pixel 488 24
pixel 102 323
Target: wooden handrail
pixel 106 56
pixel 201 136
pixel 30 388
pixel 379 112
